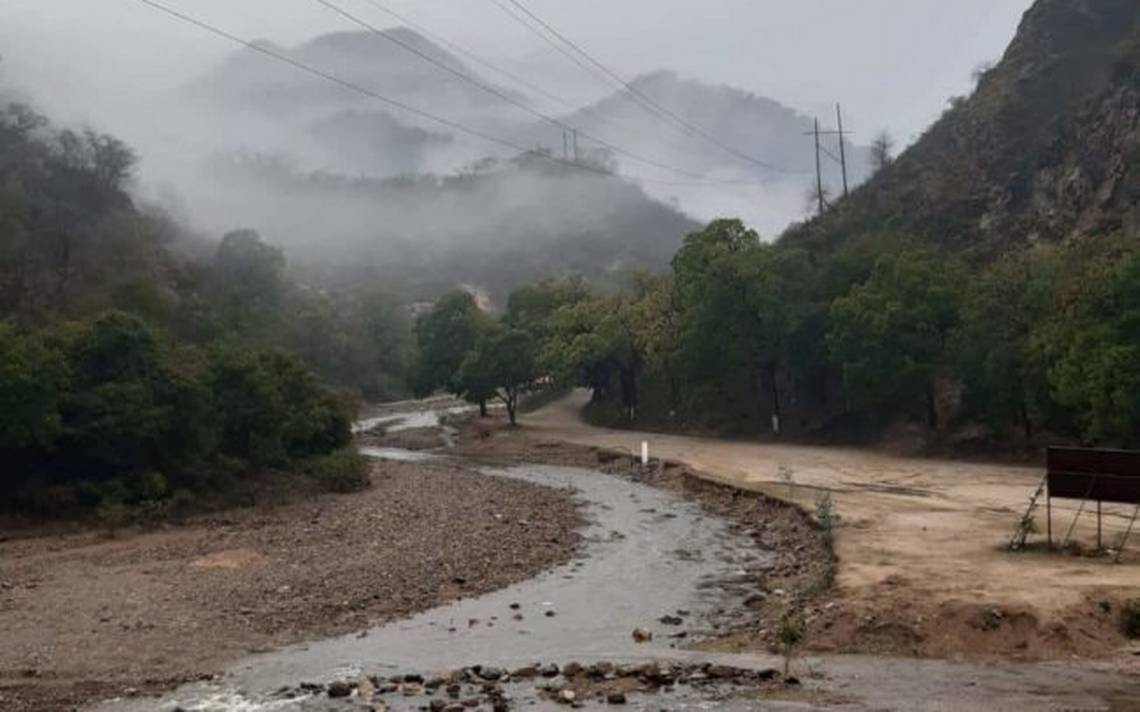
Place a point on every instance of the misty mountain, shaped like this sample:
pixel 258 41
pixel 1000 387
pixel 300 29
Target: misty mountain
pixel 271 101
pixel 1044 149
pixel 363 141
pixel 494 228
pixel 758 127
pixel 249 79
pixel 338 179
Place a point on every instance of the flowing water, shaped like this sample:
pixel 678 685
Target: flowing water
pixel 646 553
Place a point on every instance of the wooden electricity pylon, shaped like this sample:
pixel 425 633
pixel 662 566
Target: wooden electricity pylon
pixel 841 159
pixel 818 173
pixel 842 151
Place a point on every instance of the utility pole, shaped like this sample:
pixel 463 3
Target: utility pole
pixel 818 173
pixel 842 152
pixel 841 159
pixel 565 144
pixel 574 143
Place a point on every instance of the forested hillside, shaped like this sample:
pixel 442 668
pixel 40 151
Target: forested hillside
pixel 1044 149
pixel 983 290
pixel 132 374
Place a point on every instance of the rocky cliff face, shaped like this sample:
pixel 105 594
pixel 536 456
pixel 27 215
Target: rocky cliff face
pixel 1046 147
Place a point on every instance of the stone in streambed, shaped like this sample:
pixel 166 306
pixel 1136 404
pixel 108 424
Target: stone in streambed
pixel 340 688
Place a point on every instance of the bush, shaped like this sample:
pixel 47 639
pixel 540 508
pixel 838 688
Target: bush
pixel 345 470
pixel 825 515
pixel 108 412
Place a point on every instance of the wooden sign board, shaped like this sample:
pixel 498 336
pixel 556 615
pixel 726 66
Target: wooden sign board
pixel 1093 474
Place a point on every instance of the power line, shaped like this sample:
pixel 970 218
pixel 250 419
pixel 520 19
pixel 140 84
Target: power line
pixel 646 100
pixel 500 94
pixel 521 81
pixel 565 52
pixel 459 49
pixel 354 87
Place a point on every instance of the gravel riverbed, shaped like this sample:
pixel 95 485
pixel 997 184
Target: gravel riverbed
pixel 86 617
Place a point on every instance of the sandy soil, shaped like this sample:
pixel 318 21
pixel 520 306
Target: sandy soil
pixel 920 543
pixel 86 617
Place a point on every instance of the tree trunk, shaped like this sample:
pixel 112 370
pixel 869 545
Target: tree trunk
pixel 1026 421
pixel 931 409
pixel 510 397
pixel 482 407
pixel 772 370
pixel 628 379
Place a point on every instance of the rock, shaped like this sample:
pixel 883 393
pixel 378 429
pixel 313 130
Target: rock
pixel 549 670
pixel 491 673
pixel 454 707
pixel 616 698
pixel 660 674
pixel 723 672
pixel 339 688
pixel 550 614
pixel 414 677
pixel 515 606
pixel 365 690
pixel 437 705
pixel 410 689
pixel 453 690
pixel 572 669
pixel 500 706
pixel 791 681
pixel 434 683
pixel 599 670
pixel 525 672
pixel 671 620
pixel 386 688
pixel 567 696
pixel 641 635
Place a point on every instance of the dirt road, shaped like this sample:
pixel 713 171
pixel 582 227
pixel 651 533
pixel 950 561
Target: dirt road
pixel 920 545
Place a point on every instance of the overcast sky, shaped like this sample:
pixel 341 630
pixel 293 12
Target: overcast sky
pixel 892 63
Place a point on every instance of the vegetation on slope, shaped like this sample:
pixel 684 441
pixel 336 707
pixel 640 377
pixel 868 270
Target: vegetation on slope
pixel 131 374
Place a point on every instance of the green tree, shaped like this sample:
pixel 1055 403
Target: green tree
pixel 530 307
pixel 246 283
pixel 502 364
pixel 32 380
pixel 592 343
pixel 114 420
pixel 889 335
pixel 444 337
pixel 1005 380
pixel 1093 348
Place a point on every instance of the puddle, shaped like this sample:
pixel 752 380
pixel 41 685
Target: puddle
pixel 407 420
pixel 395 453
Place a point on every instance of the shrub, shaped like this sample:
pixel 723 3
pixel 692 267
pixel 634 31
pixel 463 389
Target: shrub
pixel 825 515
pixel 345 470
pixel 791 634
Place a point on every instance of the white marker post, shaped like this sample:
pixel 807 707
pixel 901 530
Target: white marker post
pixel 644 452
